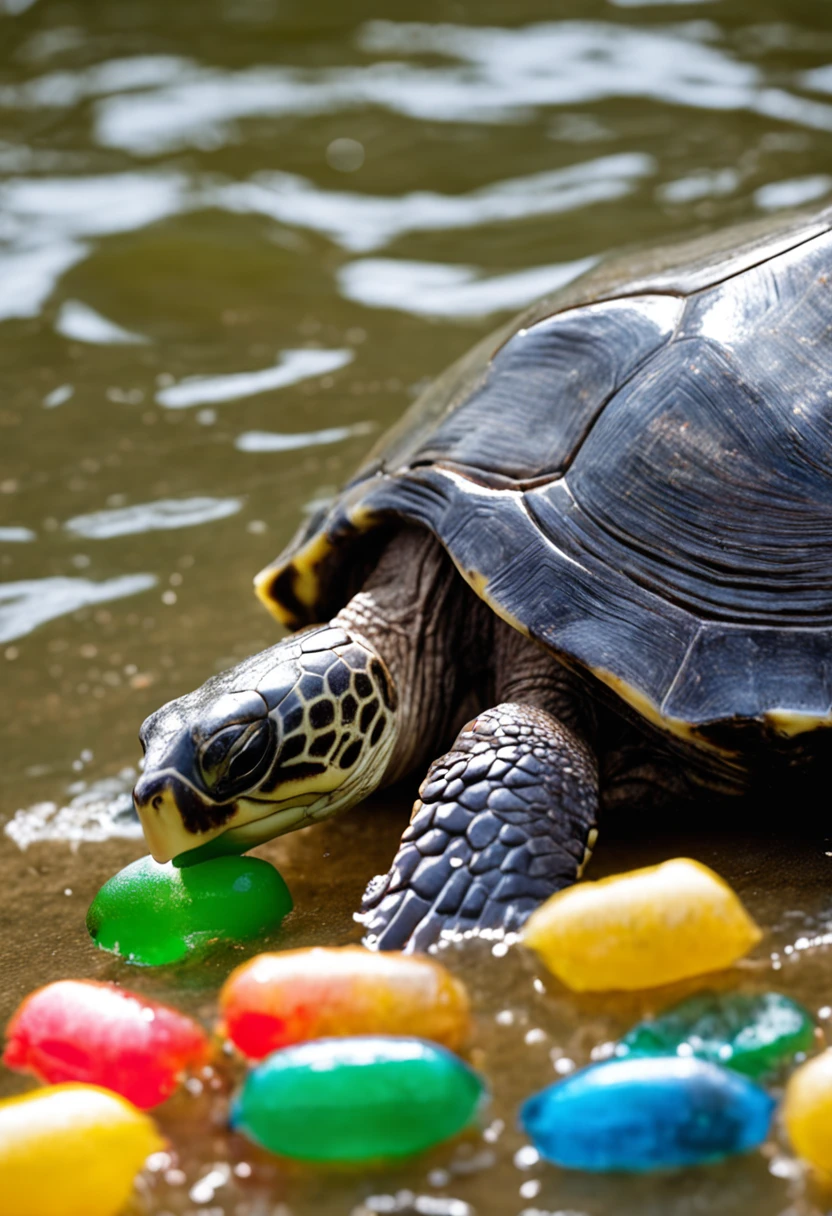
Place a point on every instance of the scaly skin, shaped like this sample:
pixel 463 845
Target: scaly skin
pixel 314 724
pixel 502 821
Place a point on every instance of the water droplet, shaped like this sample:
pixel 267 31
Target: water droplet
pixel 345 155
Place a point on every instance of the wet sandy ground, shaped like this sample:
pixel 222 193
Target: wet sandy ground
pixel 528 1030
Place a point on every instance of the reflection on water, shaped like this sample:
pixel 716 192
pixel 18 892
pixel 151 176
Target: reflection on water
pixel 435 289
pixel 32 602
pixel 794 193
pixel 28 275
pixel 43 221
pixel 359 222
pixel 235 241
pixel 58 396
pixel 16 536
pixel 294 366
pixel 152 517
pixel 547 64
pixel 272 441
pixel 83 324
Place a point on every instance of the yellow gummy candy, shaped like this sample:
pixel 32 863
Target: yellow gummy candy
pixel 807 1111
pixel 641 929
pixel 71 1150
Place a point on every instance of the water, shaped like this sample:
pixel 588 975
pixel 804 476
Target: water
pixel 235 240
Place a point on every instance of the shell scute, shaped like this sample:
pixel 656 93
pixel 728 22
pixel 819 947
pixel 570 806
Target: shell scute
pixel 637 473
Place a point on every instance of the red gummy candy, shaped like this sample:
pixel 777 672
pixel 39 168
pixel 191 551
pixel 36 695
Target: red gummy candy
pixel 80 1030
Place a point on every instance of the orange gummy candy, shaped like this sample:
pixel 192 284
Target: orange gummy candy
pixel 275 1000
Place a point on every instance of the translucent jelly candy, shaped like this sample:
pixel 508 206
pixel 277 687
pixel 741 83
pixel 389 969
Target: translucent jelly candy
pixel 71 1150
pixel 753 1033
pixel 807 1111
pixel 152 914
pixel 278 999
pixel 77 1030
pixel 357 1099
pixel 641 929
pixel 647 1114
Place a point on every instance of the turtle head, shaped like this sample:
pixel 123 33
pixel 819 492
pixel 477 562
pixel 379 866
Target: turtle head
pixel 286 738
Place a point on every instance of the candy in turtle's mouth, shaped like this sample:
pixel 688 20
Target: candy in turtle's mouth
pixel 247 835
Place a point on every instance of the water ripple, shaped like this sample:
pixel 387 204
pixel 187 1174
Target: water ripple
pixel 60 90
pixel 439 290
pixel 294 366
pixel 44 223
pixel 361 222
pixel 560 63
pixel 81 323
pixel 275 441
pixel 31 602
pixel 102 810
pixel 97 205
pixel 793 193
pixel 17 536
pixel 705 184
pixel 502 75
pixel 28 276
pixel 59 396
pixel 161 516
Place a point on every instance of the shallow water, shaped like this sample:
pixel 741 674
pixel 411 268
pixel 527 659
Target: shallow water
pixel 235 240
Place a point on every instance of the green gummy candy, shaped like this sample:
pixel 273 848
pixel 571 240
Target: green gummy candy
pixel 752 1033
pixel 152 914
pixel 357 1099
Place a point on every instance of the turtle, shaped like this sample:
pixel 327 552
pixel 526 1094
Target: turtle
pixel 590 567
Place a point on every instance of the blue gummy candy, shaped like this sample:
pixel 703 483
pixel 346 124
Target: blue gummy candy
pixel 648 1113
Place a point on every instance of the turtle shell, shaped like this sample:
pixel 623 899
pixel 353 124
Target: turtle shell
pixel 637 473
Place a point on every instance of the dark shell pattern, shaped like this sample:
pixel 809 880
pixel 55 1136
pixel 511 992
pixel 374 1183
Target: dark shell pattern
pixel 636 472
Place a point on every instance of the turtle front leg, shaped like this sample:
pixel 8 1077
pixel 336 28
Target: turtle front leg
pixel 503 820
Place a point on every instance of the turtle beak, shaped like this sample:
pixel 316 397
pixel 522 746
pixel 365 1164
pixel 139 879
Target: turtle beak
pixel 176 817
pixel 202 763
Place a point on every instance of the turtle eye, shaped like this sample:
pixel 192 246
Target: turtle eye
pixel 236 757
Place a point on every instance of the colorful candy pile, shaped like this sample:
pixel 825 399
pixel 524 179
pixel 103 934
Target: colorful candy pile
pixel 376 1090
pixel 352 1055
pixel 675 1093
pixel 381 1089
